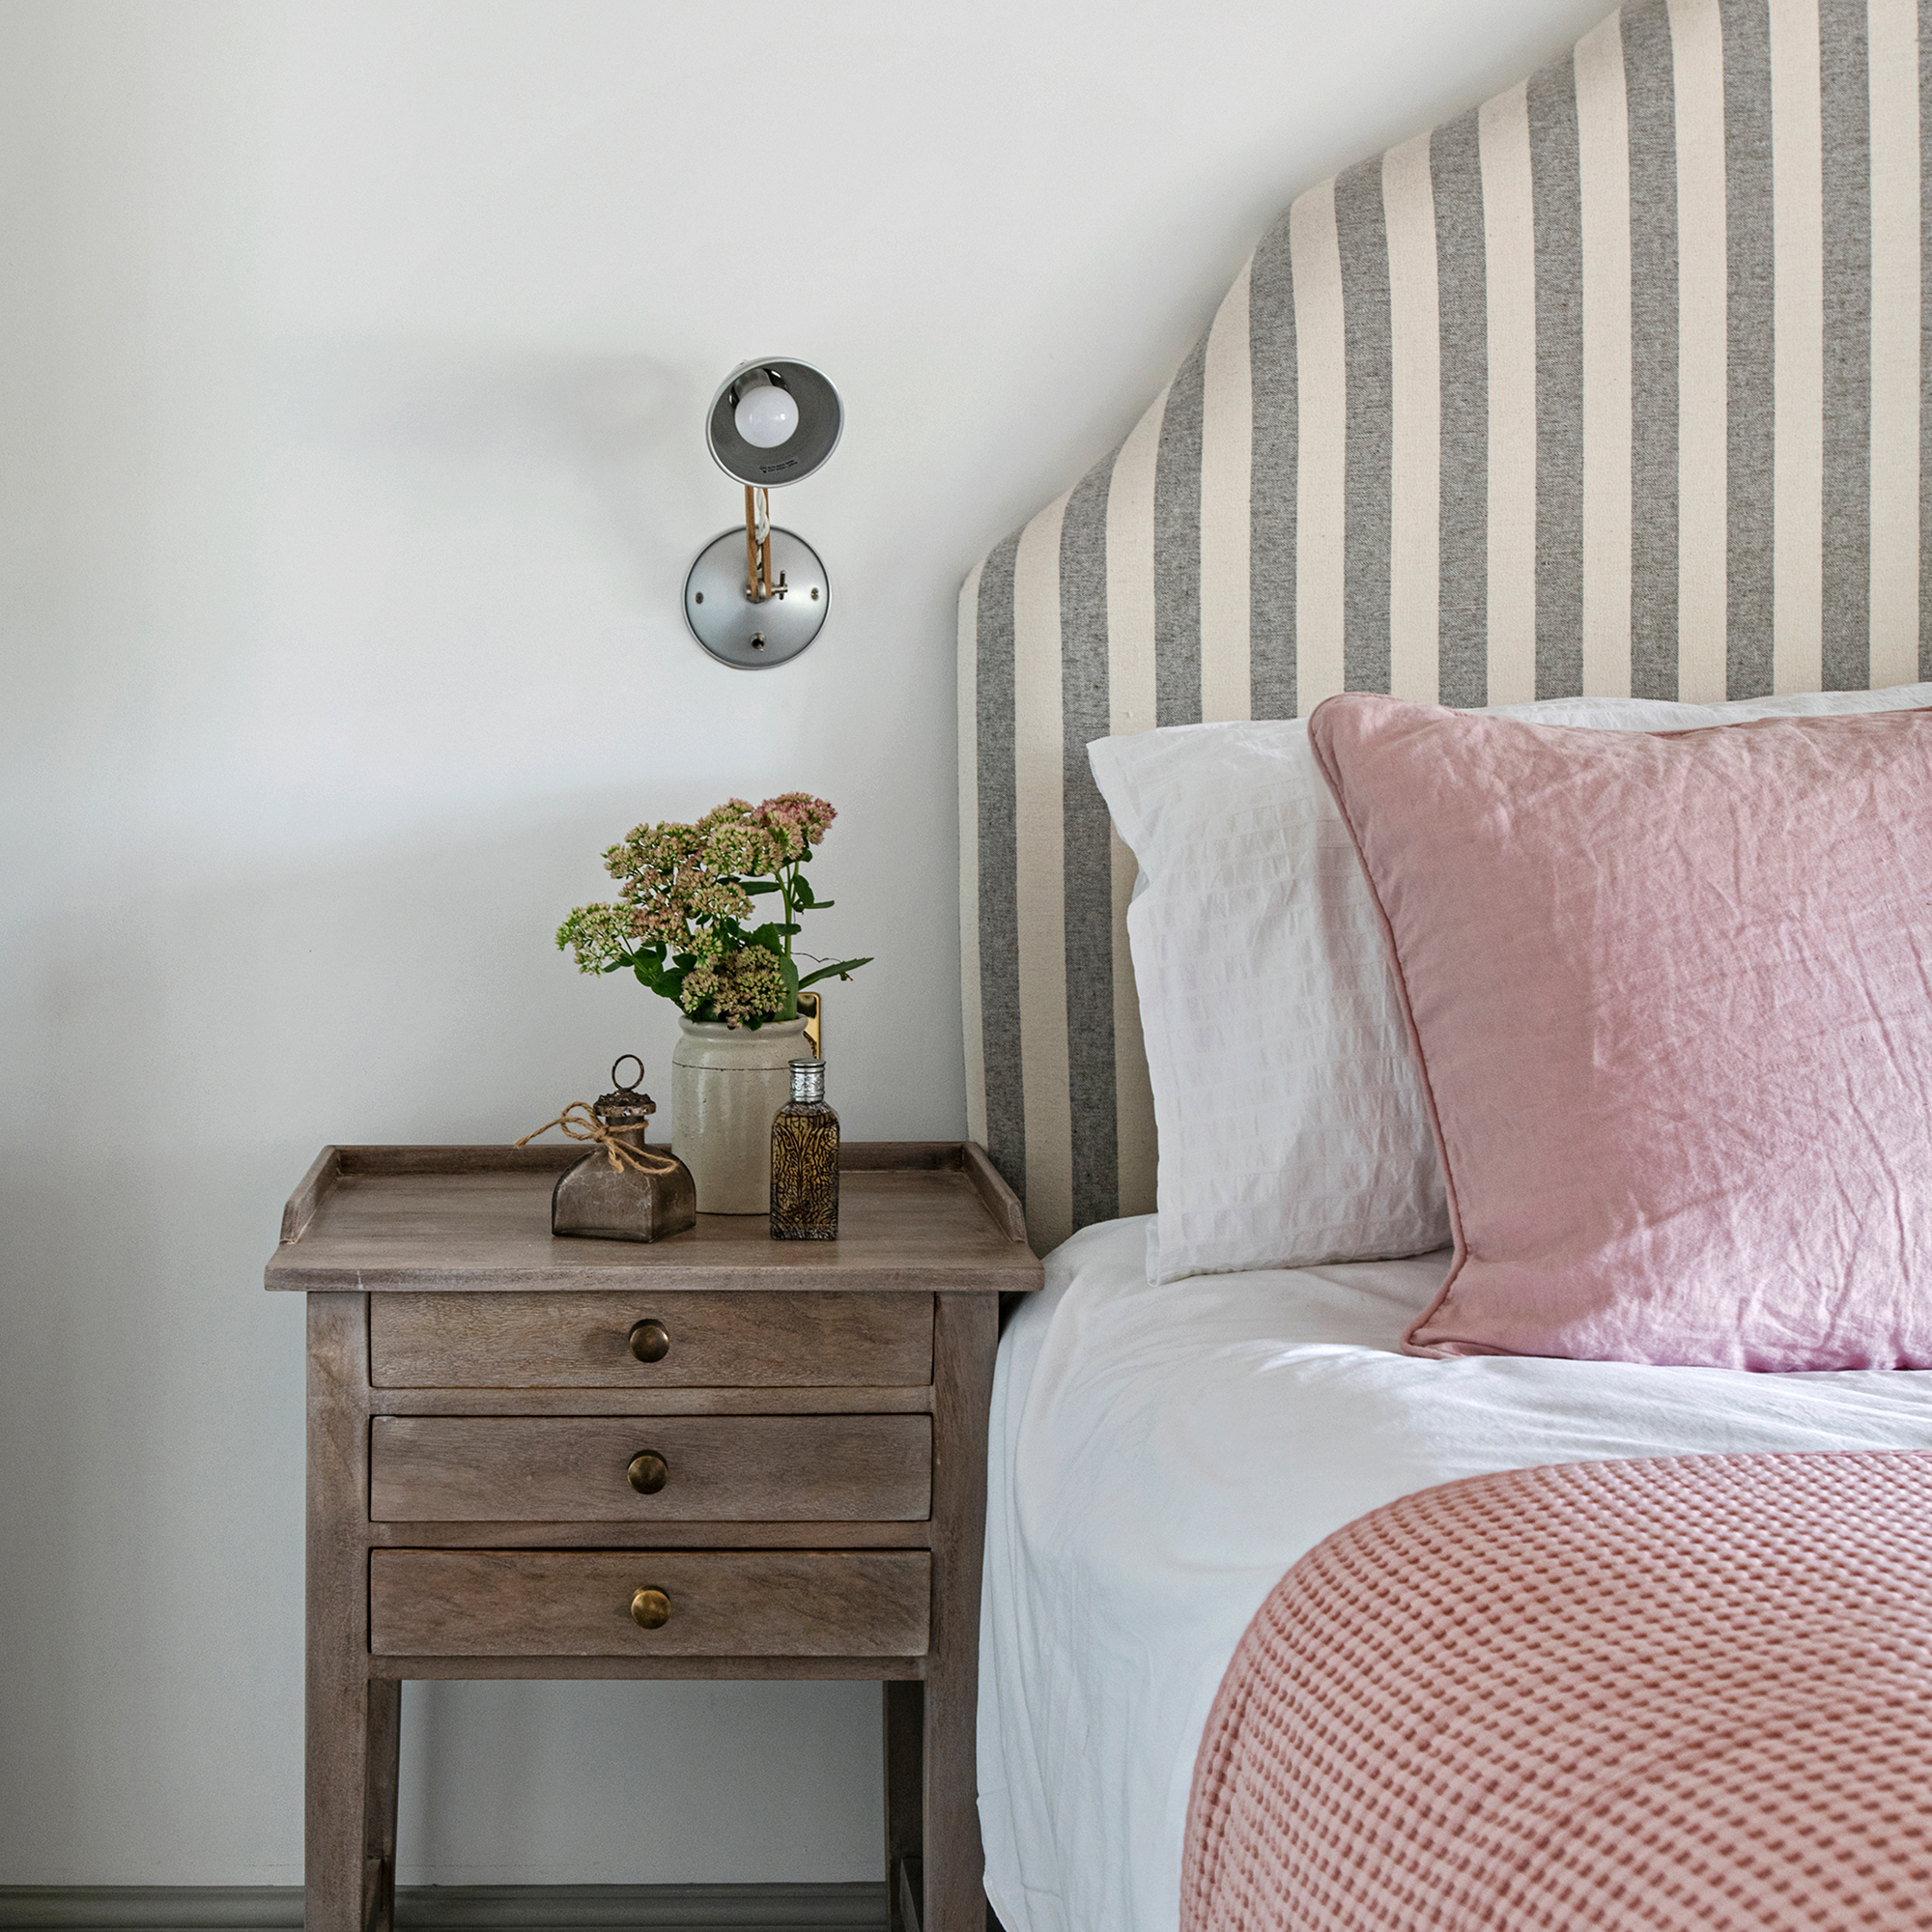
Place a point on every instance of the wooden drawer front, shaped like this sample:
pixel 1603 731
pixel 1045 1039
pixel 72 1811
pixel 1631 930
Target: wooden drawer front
pixel 488 1603
pixel 717 1340
pixel 722 1469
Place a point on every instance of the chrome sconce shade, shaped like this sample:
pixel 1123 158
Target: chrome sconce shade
pixel 757 597
pixel 816 422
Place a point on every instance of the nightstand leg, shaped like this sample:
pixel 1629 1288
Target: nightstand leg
pixel 350 1752
pixel 351 1812
pixel 379 1807
pixel 965 1332
pixel 905 1788
pixel 955 1865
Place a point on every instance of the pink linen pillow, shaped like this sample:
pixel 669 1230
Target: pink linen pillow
pixel 1672 998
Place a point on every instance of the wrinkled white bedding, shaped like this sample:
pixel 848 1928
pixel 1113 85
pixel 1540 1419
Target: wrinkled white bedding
pixel 1161 1455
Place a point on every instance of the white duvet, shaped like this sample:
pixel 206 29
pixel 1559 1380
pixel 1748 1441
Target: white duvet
pixel 1161 1455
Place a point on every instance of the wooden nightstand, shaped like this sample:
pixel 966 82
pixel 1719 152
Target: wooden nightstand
pixel 714 1456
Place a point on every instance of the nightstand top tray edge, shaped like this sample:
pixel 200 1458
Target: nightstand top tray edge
pixel 919 1217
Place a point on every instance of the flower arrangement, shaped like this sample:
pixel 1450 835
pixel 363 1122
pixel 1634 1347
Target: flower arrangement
pixel 679 922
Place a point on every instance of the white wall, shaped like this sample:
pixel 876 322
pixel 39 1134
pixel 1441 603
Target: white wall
pixel 352 356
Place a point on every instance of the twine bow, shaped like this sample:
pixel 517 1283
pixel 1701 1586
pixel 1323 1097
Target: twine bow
pixel 639 1160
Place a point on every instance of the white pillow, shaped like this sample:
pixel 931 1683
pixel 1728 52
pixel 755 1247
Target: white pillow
pixel 1290 1117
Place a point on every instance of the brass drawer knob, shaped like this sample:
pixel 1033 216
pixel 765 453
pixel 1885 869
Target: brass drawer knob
pixel 650 1341
pixel 648 1472
pixel 651 1610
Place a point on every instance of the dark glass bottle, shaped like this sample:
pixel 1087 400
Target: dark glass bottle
pixel 805 1160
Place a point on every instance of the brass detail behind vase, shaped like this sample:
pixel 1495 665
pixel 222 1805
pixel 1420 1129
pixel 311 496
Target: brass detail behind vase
pixel 648 1472
pixel 650 1609
pixel 649 1341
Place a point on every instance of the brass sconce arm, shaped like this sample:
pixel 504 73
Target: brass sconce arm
pixel 758 584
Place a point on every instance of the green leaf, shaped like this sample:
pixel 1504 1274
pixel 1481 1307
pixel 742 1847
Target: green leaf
pixel 666 983
pixel 801 893
pixel 755 885
pixel 788 972
pixel 844 969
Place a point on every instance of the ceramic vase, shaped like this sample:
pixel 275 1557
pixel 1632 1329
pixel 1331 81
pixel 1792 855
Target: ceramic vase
pixel 727 1087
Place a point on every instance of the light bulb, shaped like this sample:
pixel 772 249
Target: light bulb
pixel 765 417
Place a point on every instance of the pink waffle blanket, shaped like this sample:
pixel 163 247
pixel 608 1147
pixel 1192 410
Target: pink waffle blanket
pixel 1688 1693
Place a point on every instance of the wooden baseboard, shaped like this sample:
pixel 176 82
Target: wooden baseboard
pixel 454 1908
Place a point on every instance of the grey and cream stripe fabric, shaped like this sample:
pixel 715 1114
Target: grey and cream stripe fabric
pixel 1613 386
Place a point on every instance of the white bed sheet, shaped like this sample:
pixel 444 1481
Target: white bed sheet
pixel 1161 1455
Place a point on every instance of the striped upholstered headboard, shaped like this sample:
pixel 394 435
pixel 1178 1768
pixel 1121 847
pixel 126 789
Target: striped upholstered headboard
pixel 1613 386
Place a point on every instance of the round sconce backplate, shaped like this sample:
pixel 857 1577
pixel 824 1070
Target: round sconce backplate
pixel 748 635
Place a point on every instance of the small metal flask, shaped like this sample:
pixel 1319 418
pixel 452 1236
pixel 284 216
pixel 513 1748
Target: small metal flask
pixel 805 1160
pixel 623 1201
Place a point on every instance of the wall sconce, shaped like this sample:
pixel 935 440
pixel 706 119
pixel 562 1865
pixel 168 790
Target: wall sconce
pixel 756 603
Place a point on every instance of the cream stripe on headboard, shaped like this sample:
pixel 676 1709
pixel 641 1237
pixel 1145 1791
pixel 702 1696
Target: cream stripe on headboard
pixel 1415 423
pixel 1321 382
pixel 1613 385
pixel 1604 223
pixel 1227 464
pixel 1509 221
pixel 1702 359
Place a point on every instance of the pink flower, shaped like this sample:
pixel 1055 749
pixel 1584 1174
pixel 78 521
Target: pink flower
pixel 680 896
pixel 737 986
pixel 797 821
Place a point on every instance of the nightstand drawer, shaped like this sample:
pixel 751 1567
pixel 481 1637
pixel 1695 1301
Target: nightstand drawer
pixel 807 1340
pixel 724 1469
pixel 487 1603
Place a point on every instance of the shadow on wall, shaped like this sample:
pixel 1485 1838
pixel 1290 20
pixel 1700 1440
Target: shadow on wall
pixel 185 1054
pixel 622 427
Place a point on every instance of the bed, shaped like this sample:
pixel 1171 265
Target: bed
pixel 1600 408
pixel 1154 1472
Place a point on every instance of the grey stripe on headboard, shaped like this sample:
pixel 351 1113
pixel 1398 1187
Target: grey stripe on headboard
pixel 1613 386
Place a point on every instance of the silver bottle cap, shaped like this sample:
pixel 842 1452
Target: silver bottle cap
pixel 808 1080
